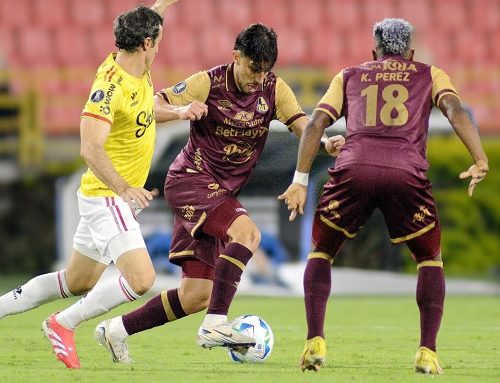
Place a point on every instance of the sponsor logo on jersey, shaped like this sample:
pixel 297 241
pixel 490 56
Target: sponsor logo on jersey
pixel 332 206
pixel 213 186
pixel 144 120
pixel 198 159
pixel 217 190
pixel 106 109
pixel 238 153
pixel 240 210
pixel 262 106
pixel 224 105
pixel 421 214
pixel 188 212
pixel 179 87
pixel 234 132
pixel 97 96
pixel 243 115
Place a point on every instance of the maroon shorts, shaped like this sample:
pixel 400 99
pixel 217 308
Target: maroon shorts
pixel 203 212
pixel 353 192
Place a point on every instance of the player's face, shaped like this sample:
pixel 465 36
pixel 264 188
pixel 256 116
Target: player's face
pixel 152 48
pixel 249 76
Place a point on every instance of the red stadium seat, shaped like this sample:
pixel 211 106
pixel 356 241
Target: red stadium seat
pixel 15 13
pixel 36 48
pixel 485 15
pixel 306 15
pixel 235 14
pixel 178 49
pixel 87 12
pixel 272 13
pixel 196 15
pixel 115 7
pixel 216 45
pixel 450 14
pixel 102 42
pixel 51 13
pixel 292 47
pixel 344 14
pixel 378 10
pixel 73 47
pixel 418 13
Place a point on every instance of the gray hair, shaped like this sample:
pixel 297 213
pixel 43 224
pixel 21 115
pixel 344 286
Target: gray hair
pixel 392 36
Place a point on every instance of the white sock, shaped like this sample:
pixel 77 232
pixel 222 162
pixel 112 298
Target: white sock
pixel 117 329
pixel 106 295
pixel 37 291
pixel 213 320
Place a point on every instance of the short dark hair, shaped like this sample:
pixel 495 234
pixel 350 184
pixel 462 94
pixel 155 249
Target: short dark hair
pixel 134 26
pixel 392 36
pixel 259 43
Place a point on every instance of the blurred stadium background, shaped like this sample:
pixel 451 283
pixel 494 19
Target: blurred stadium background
pixel 50 49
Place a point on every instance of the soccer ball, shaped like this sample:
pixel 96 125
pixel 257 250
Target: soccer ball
pixel 256 327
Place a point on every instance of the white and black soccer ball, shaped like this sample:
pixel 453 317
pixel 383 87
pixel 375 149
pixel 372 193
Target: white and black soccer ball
pixel 256 327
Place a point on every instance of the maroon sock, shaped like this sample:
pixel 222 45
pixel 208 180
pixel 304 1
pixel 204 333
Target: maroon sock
pixel 159 310
pixel 430 300
pixel 228 270
pixel 317 286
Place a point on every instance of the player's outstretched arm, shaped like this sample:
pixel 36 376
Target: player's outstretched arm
pixel 165 112
pixel 459 119
pixel 296 194
pixel 160 6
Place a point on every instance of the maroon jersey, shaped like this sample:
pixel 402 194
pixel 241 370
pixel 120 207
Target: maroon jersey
pixel 387 104
pixel 227 143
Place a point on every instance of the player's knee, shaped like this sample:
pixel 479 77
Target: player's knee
pixel 194 300
pixel 141 282
pixel 79 286
pixel 249 238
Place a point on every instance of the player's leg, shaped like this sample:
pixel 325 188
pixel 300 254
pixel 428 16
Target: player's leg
pixel 191 297
pixel 81 275
pixel 410 214
pixel 343 208
pixel 243 237
pixel 430 295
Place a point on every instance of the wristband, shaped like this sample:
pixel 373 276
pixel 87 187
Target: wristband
pixel 301 178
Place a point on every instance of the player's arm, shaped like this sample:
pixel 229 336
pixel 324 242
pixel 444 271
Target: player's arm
pixel 160 6
pixel 330 145
pixel 452 108
pixel 185 100
pixel 93 134
pixel 165 112
pixel 296 194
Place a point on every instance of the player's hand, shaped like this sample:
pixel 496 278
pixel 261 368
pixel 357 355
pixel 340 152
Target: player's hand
pixel 477 171
pixel 194 111
pixel 295 198
pixel 138 197
pixel 334 144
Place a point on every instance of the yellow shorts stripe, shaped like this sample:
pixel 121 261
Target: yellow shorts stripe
pixel 430 264
pixel 199 223
pixel 321 255
pixel 338 228
pixel 166 305
pixel 181 253
pixel 234 261
pixel 414 235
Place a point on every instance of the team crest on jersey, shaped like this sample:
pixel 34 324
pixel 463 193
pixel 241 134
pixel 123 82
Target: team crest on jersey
pixel 179 87
pixel 97 96
pixel 421 214
pixel 262 106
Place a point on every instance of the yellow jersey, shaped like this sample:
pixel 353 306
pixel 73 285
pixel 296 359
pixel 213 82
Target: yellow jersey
pixel 126 103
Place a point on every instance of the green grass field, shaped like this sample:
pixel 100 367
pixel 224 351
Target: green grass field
pixel 370 339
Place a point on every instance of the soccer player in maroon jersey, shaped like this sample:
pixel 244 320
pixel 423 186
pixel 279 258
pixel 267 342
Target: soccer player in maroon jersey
pixel 213 236
pixel 386 103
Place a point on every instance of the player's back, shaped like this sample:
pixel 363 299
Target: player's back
pixel 387 104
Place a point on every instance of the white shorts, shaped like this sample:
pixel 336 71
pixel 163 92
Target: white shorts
pixel 107 229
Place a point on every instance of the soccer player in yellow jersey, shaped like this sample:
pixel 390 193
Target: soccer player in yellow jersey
pixel 386 103
pixel 117 140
